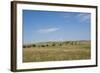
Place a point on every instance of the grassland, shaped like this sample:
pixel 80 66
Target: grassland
pixel 57 51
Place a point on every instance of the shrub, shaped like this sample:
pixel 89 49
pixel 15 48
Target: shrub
pixel 28 46
pixel 24 46
pixel 53 44
pixel 60 44
pixel 47 45
pixel 72 43
pixel 67 42
pixel 42 45
pixel 34 45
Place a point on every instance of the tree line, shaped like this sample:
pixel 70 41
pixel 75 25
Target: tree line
pixel 53 44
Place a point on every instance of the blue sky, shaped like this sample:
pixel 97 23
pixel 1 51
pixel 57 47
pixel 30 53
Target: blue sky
pixel 43 26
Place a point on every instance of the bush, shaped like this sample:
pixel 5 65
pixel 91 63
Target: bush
pixel 60 44
pixel 24 46
pixel 47 45
pixel 34 45
pixel 72 43
pixel 67 42
pixel 42 45
pixel 28 46
pixel 53 44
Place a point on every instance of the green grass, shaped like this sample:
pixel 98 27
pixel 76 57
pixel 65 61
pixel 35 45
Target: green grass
pixel 56 52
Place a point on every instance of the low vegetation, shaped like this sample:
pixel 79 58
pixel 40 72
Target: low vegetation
pixel 57 51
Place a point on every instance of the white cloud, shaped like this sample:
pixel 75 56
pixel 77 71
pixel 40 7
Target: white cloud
pixel 48 30
pixel 83 17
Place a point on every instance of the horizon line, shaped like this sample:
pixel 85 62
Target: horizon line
pixel 54 41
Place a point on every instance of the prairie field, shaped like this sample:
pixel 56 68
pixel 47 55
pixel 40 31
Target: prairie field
pixel 57 51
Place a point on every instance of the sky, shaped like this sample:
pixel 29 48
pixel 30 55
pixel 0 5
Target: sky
pixel 43 26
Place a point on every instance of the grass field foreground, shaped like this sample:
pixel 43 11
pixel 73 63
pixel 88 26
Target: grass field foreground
pixel 57 51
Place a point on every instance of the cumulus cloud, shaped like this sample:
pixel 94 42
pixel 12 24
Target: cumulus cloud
pixel 48 30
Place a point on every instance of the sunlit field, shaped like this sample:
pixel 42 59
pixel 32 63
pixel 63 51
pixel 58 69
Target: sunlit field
pixel 57 51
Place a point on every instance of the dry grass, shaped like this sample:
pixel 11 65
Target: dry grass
pixel 57 53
